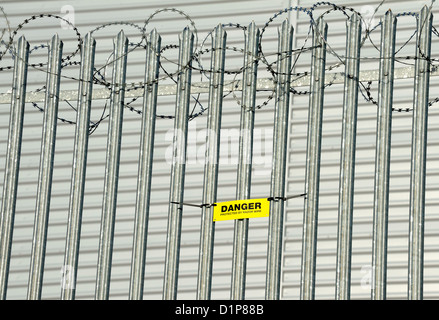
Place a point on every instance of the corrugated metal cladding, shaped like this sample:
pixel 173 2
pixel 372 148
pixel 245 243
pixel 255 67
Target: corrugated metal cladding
pixel 87 16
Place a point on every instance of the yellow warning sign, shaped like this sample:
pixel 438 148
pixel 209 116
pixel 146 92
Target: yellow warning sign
pixel 241 209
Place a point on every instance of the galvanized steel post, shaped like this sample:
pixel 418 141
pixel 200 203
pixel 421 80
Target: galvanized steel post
pixel 280 139
pixel 68 287
pixel 211 163
pixel 382 157
pixel 178 165
pixel 112 168
pixel 419 155
pixel 347 165
pixel 314 145
pixel 145 166
pixel 12 166
pixel 46 169
pixel 251 56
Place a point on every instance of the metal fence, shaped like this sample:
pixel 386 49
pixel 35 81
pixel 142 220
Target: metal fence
pixel 278 197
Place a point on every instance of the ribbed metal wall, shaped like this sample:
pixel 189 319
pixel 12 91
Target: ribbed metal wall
pixel 365 168
pixel 207 14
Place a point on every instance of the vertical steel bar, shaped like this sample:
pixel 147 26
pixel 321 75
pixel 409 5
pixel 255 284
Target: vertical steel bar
pixel 314 145
pixel 12 167
pixel 68 289
pixel 419 156
pixel 46 170
pixel 211 165
pixel 178 165
pixel 347 165
pixel 112 168
pixel 382 157
pixel 239 263
pixel 145 166
pixel 280 138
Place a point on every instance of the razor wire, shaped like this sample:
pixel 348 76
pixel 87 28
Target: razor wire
pixel 198 109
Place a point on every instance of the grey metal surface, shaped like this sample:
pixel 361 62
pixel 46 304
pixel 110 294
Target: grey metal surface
pixel 76 205
pixel 170 282
pixel 419 156
pixel 243 187
pixel 42 209
pixel 88 16
pixel 145 167
pixel 13 152
pixel 382 162
pixel 347 165
pixel 314 146
pixel 280 140
pixel 211 166
pixel 112 168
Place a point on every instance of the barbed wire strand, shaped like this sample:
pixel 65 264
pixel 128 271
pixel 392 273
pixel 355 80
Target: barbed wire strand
pixel 196 63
